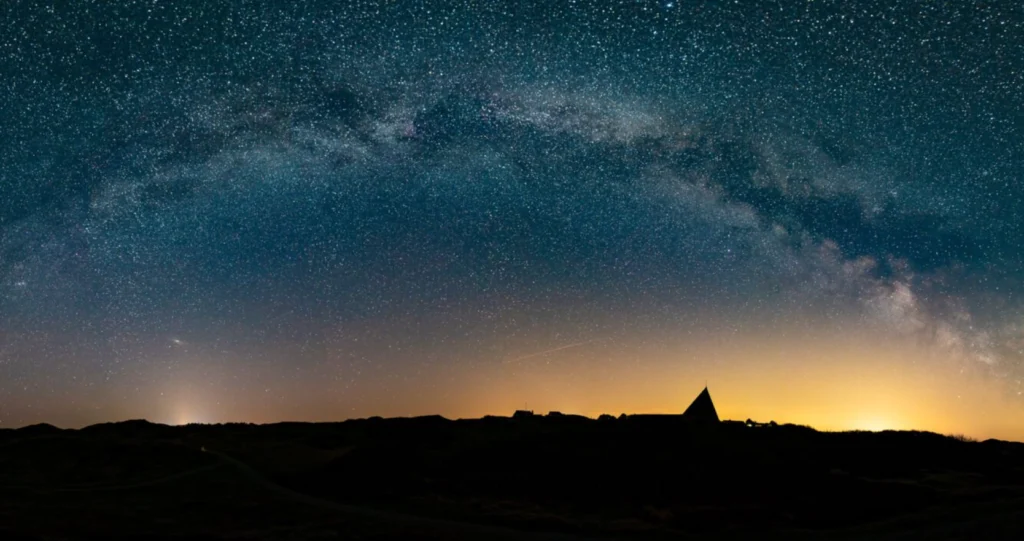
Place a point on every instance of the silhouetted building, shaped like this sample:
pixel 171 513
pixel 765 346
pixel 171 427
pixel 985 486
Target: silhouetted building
pixel 702 410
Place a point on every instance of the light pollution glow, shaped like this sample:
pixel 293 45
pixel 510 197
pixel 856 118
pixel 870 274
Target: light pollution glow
pixel 827 382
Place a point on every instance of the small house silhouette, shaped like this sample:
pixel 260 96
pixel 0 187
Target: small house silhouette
pixel 702 409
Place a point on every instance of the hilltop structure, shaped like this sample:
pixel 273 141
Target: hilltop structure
pixel 702 410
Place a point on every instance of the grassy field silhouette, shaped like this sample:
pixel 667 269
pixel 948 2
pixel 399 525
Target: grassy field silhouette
pixel 524 477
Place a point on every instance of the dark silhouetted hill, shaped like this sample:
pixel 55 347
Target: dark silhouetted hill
pixel 136 428
pixel 633 476
pixel 40 429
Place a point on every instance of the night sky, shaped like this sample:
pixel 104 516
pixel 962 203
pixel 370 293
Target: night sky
pixel 322 210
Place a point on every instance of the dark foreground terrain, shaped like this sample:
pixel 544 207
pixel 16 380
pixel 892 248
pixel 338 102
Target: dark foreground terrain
pixel 549 477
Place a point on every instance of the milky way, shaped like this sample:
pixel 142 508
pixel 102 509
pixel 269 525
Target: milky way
pixel 320 210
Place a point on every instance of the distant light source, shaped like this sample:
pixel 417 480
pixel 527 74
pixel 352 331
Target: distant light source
pixel 874 424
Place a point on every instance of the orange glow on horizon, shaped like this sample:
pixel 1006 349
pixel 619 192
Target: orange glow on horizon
pixel 833 384
pixel 827 382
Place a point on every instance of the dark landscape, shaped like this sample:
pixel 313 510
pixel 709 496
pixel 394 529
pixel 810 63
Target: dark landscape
pixel 528 476
pixel 240 217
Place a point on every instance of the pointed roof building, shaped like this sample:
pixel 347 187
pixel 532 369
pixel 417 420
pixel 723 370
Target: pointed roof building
pixel 702 410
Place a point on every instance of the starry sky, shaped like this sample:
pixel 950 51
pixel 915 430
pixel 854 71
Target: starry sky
pixel 247 211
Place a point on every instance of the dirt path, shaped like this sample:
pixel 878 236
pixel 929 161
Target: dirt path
pixel 431 527
pixel 444 529
pixel 106 488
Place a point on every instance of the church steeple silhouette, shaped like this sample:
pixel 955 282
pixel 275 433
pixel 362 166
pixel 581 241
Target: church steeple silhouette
pixel 702 409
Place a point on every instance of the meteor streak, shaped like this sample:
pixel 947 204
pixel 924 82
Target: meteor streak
pixel 549 351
